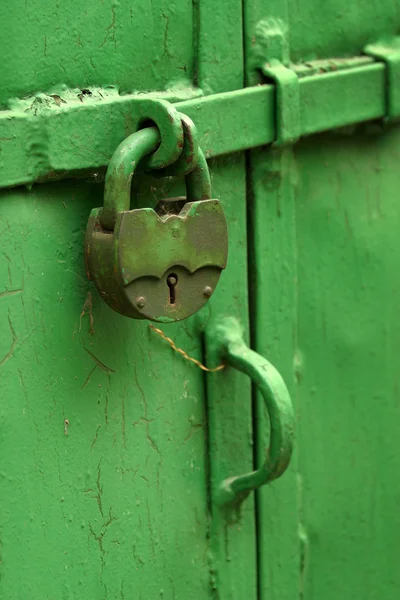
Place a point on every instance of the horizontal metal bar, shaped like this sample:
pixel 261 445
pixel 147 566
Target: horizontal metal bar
pixel 233 121
pixel 344 98
pixel 59 138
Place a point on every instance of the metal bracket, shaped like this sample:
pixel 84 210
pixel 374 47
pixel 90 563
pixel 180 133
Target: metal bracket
pixel 272 37
pixel 389 54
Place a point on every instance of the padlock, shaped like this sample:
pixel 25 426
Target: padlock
pixel 160 264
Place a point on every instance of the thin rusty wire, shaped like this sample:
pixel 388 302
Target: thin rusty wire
pixel 183 353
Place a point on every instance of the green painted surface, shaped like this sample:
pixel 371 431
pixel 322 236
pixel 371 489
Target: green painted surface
pixel 119 506
pixel 326 301
pixel 323 223
pixel 340 28
pixel 134 46
pixel 231 437
pixel 113 446
pixel 273 306
pixel 336 29
pixel 347 215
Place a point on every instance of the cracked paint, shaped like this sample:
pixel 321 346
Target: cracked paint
pixel 15 343
pixel 113 501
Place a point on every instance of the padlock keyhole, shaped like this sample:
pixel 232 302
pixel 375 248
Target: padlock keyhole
pixel 172 280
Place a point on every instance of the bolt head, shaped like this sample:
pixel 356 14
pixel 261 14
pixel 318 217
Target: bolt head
pixel 207 291
pixel 140 301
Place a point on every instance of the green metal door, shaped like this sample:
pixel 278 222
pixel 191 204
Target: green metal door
pixel 107 451
pixel 114 446
pixel 324 219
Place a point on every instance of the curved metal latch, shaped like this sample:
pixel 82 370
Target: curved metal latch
pixel 226 339
pixel 272 36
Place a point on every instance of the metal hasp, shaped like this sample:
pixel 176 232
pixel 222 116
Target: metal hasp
pixel 160 264
pixel 389 54
pixel 226 340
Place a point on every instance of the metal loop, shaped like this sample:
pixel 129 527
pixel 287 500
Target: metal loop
pixel 227 337
pixel 168 121
pixel 190 152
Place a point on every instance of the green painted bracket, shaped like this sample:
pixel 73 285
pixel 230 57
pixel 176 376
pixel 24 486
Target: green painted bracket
pixel 288 129
pixel 389 54
pixel 272 37
pixel 226 340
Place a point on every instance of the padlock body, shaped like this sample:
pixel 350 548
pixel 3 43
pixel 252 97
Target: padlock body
pixel 132 266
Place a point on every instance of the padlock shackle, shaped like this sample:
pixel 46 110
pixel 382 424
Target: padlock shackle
pixel 198 181
pixel 122 167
